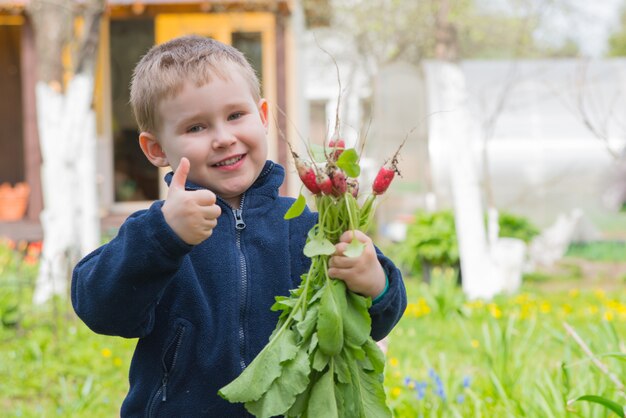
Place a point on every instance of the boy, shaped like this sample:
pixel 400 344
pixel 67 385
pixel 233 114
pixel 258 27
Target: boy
pixel 194 276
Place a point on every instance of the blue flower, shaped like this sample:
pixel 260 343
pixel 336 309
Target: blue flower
pixel 439 389
pixel 466 381
pixel 420 388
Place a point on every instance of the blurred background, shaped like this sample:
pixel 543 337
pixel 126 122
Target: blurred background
pixel 512 120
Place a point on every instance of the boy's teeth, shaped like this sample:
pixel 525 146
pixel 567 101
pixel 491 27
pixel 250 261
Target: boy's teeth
pixel 229 161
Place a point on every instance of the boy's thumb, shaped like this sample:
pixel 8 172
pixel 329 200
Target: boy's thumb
pixel 180 175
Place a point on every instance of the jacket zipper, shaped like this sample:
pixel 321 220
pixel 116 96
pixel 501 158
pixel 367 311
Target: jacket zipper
pixel 240 225
pixel 176 342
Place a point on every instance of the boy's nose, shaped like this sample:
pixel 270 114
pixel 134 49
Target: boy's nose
pixel 223 138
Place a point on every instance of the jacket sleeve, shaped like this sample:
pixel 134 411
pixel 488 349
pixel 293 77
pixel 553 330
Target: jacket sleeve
pixel 387 311
pixel 115 288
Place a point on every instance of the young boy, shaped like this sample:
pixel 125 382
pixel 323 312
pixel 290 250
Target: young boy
pixel 194 276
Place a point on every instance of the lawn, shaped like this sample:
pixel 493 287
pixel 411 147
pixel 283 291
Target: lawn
pixel 515 356
pixel 448 357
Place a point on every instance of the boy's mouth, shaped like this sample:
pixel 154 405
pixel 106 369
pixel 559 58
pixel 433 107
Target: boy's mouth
pixel 229 161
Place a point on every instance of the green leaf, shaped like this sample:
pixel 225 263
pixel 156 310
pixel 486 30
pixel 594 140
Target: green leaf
pixel 282 393
pixel 317 153
pixel 607 403
pixel 322 403
pixel 375 355
pixel 306 327
pixel 319 246
pixel 299 406
pixel 296 208
pixel 368 393
pixel 329 321
pixel 348 161
pixel 619 356
pixel 357 322
pixel 320 360
pixel 342 371
pixel 354 249
pixel 256 379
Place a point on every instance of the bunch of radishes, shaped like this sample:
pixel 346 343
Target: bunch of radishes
pixel 332 179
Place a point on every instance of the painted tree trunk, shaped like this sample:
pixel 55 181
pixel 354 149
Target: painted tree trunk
pixel 454 126
pixel 69 220
pixel 67 135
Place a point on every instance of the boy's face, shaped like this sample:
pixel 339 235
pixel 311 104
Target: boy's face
pixel 220 128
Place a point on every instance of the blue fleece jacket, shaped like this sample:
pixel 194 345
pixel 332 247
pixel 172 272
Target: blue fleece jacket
pixel 202 313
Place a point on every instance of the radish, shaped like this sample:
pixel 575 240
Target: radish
pixel 383 179
pixel 324 183
pixel 353 187
pixel 307 174
pixel 337 145
pixel 338 179
pixel 387 172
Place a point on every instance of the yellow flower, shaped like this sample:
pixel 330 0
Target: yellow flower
pixel 522 298
pixel 475 344
pixel 106 353
pixel 574 292
pixel 545 307
pixel 608 316
pixel 117 362
pixel 393 362
pixel 395 392
pixel 494 310
pixel 475 304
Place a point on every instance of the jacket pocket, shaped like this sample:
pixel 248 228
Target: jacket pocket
pixel 169 360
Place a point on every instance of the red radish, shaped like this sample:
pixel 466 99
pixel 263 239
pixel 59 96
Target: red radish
pixel 338 178
pixel 307 173
pixel 324 183
pixel 383 179
pixel 337 145
pixel 386 173
pixel 353 187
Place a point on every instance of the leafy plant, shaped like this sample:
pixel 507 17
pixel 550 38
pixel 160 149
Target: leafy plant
pixel 598 250
pixel 515 226
pixel 442 293
pixel 430 241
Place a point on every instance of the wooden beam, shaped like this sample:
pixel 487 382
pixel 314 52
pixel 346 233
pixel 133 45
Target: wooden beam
pixel 32 153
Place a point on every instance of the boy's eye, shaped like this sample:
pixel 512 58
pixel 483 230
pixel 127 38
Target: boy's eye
pixel 235 115
pixel 195 128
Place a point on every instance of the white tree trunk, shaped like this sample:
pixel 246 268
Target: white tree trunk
pixel 454 126
pixel 69 219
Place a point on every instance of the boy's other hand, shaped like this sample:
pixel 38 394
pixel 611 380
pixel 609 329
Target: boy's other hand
pixel 362 274
pixel 192 214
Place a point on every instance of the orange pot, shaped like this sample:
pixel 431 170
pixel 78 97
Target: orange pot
pixel 13 201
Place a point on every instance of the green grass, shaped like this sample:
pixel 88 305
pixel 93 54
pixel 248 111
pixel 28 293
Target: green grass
pixel 513 354
pixel 599 251
pixel 448 357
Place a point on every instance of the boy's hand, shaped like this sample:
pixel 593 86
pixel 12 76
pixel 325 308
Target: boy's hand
pixel 192 214
pixel 362 274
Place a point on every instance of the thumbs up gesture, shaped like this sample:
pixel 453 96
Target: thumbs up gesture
pixel 192 214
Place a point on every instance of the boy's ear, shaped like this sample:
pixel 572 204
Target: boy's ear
pixel 152 149
pixel 263 111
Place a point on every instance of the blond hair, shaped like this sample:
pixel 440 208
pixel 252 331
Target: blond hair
pixel 162 72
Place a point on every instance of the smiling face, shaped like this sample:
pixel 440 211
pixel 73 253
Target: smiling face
pixel 220 128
